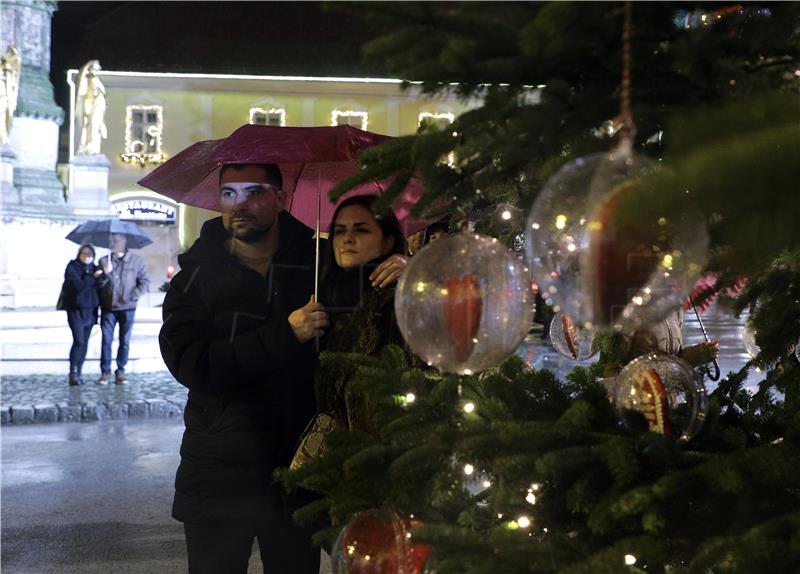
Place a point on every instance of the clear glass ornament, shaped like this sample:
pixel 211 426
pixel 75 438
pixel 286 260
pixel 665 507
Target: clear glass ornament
pixel 662 393
pixel 379 542
pixel 464 303
pixel 570 340
pixel 749 339
pixel 593 255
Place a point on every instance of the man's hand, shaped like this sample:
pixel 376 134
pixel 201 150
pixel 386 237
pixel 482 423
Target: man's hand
pixel 388 272
pixel 98 273
pixel 107 266
pixel 308 322
pixel 700 354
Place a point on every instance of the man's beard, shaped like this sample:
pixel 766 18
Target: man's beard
pixel 249 234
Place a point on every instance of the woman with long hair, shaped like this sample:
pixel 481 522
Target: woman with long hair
pixel 362 317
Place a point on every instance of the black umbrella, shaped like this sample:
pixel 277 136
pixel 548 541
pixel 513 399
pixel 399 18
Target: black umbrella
pixel 99 233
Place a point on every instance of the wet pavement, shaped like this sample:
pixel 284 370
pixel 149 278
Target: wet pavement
pixel 93 499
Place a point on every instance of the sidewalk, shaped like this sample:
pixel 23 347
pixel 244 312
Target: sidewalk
pixel 34 350
pixel 49 399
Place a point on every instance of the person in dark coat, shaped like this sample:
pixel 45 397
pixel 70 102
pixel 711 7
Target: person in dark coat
pixel 239 329
pixel 362 318
pixel 81 302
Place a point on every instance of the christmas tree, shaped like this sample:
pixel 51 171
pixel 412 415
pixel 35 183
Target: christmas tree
pixel 512 470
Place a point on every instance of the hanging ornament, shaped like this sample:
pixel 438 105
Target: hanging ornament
pixel 749 339
pixel 597 257
pixel 664 393
pixel 573 342
pixel 464 303
pixel 379 542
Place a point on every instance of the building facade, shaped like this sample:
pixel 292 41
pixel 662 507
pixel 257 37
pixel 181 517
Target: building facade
pixel 152 116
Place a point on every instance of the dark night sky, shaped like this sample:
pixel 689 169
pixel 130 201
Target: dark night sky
pixel 281 38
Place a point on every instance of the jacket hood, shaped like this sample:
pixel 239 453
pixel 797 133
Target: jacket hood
pixel 211 243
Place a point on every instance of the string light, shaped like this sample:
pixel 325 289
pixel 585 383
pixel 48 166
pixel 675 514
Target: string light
pixel 523 522
pixel 630 559
pixel 135 149
pixel 469 407
pixel 410 398
pixel 336 114
pixel 280 112
pixel 468 469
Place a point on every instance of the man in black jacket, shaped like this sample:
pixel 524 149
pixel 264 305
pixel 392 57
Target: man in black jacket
pixel 239 324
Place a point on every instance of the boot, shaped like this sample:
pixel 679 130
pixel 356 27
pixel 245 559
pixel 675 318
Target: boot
pixel 74 379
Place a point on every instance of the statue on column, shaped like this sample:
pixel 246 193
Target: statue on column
pixel 90 109
pixel 10 68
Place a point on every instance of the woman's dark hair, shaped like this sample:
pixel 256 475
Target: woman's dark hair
pixel 386 221
pixel 85 246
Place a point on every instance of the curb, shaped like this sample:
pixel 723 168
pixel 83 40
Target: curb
pixel 170 407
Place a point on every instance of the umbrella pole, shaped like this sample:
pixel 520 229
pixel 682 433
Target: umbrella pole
pixel 316 239
pixel 316 254
pixel 714 376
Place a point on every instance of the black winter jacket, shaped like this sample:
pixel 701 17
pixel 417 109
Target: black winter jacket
pixel 80 286
pixel 226 337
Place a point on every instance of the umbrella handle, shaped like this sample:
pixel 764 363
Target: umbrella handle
pixel 713 375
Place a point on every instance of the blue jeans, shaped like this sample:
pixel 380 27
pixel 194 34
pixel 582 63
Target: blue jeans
pixel 80 341
pixel 108 320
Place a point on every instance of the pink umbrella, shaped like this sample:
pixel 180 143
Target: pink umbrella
pixel 311 160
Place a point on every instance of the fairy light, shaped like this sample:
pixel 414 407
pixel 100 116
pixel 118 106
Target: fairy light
pixel 280 112
pixel 523 522
pixel 449 116
pixel 336 114
pixel 530 498
pixel 410 398
pixel 561 221
pixel 469 408
pixel 135 149
pixel 506 215
pixel 630 559
pixel 468 469
pixel 487 483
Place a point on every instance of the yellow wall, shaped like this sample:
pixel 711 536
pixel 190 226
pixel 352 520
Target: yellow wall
pixel 198 110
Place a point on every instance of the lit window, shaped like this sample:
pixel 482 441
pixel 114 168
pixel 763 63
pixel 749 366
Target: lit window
pixel 441 121
pixel 143 128
pixel 349 118
pixel 270 117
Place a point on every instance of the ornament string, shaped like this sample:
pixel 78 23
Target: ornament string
pixel 714 375
pixel 628 127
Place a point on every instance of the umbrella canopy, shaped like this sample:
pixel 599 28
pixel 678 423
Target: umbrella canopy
pixel 311 160
pixel 99 233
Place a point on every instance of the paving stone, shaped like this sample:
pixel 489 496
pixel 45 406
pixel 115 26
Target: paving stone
pixel 21 414
pixel 156 408
pixel 94 412
pixel 137 409
pixel 117 410
pixel 69 413
pixel 45 413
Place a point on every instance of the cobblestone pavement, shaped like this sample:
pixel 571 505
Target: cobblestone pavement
pixel 48 398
